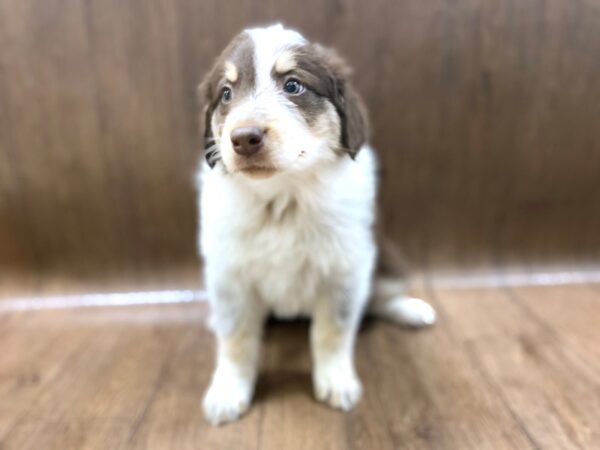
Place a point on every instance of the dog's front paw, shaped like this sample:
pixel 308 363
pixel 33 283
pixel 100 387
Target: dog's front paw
pixel 339 387
pixel 226 399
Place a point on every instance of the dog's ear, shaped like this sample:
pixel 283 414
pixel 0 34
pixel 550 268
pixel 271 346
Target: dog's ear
pixel 205 97
pixel 354 122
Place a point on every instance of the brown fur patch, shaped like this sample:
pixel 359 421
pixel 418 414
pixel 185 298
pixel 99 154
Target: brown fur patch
pixel 239 53
pixel 326 76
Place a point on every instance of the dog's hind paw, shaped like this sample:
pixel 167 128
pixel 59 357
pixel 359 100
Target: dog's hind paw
pixel 410 311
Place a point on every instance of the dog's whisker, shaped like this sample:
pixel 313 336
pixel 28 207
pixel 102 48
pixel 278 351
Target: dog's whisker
pixel 212 154
pixel 213 157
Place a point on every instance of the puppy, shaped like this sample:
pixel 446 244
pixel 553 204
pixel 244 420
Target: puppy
pixel 287 215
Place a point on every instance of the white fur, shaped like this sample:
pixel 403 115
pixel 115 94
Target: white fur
pixel 231 72
pixel 318 263
pixel 388 302
pixel 297 243
pixel 286 261
pixel 270 43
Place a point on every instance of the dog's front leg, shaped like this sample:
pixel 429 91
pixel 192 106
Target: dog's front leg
pixel 333 333
pixel 238 331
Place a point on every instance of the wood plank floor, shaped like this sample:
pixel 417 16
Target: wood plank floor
pixel 504 368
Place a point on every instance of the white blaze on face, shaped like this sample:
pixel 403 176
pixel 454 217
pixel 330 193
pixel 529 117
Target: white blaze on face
pixel 269 44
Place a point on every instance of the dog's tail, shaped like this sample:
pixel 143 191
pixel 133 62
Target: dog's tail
pixel 388 299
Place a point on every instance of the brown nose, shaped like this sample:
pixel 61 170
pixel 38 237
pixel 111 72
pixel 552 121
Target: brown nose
pixel 247 140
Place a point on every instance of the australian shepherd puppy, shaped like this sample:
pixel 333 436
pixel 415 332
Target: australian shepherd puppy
pixel 288 214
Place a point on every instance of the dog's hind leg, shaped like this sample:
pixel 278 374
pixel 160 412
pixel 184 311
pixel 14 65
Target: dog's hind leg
pixel 388 298
pixel 389 302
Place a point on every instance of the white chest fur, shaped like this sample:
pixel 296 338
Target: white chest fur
pixel 290 239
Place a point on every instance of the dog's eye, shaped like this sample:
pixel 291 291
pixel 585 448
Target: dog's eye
pixel 293 87
pixel 226 94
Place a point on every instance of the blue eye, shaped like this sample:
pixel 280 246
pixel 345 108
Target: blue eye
pixel 293 87
pixel 226 95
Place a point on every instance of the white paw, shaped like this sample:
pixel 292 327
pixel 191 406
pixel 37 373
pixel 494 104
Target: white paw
pixel 226 399
pixel 339 388
pixel 411 311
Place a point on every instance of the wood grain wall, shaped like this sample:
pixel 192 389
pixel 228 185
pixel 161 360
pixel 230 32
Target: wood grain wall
pixel 486 115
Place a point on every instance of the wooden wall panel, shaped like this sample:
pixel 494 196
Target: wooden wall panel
pixel 486 115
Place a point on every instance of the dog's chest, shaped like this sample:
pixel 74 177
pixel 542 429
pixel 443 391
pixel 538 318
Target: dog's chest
pixel 287 251
pixel 289 254
pixel 289 243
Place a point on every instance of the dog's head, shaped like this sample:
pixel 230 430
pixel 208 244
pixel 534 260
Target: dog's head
pixel 275 103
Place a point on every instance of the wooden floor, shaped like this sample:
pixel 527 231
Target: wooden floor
pixel 505 368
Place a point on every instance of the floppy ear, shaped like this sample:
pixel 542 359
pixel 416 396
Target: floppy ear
pixel 205 97
pixel 349 106
pixel 354 121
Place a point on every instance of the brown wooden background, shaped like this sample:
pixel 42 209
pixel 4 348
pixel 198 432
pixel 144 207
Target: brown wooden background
pixel 486 114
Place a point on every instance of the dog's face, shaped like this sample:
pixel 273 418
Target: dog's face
pixel 276 103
